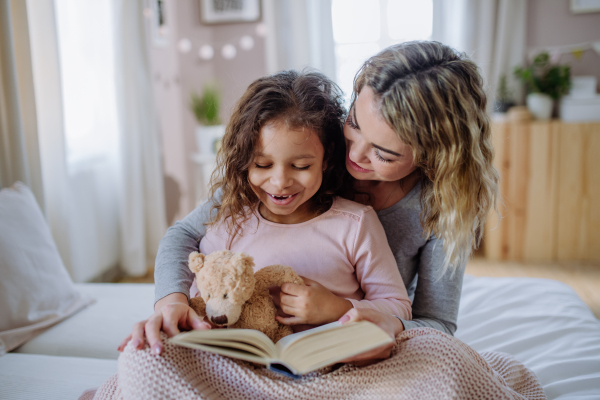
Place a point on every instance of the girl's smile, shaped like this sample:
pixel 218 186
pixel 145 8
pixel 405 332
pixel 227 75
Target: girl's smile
pixel 286 172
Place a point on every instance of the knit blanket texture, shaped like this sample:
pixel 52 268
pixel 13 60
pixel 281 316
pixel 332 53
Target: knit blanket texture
pixel 425 364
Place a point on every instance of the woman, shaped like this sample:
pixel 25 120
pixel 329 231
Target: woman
pixel 419 149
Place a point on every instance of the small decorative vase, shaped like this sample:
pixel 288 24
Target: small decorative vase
pixel 208 138
pixel 540 105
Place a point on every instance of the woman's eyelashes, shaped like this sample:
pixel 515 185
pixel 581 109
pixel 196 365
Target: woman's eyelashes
pixel 351 123
pixel 379 157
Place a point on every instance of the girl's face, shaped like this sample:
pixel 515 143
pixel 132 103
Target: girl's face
pixel 286 172
pixel 373 150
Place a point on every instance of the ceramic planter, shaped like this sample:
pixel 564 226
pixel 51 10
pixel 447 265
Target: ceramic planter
pixel 540 105
pixel 208 138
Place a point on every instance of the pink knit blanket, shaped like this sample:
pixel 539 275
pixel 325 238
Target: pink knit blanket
pixel 425 364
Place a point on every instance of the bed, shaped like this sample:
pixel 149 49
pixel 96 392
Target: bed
pixel 543 323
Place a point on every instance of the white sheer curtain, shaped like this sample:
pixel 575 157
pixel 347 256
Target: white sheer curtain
pixel 300 35
pixel 491 32
pixel 99 144
pixel 19 149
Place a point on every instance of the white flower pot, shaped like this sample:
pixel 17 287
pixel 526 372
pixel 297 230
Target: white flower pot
pixel 208 138
pixel 540 105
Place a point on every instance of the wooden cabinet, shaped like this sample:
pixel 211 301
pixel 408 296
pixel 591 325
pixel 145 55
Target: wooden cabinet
pixel 550 192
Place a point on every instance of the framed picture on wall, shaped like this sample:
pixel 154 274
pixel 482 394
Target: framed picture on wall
pixel 229 11
pixel 585 6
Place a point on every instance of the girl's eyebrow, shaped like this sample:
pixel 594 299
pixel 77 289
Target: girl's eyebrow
pixel 298 157
pixel 372 144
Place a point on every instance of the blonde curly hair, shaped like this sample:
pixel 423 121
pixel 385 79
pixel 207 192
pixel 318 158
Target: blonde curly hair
pixel 433 98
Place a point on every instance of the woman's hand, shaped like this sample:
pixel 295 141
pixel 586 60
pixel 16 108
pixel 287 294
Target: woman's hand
pixel 172 314
pixel 392 325
pixel 311 304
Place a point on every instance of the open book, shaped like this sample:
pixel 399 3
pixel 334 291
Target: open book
pixel 293 355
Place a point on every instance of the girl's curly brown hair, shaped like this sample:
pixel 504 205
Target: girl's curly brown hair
pixel 306 99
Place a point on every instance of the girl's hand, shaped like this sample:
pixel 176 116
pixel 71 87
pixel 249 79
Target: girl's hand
pixel 311 304
pixel 392 325
pixel 172 315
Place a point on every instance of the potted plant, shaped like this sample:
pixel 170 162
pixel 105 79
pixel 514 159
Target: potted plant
pixel 206 110
pixel 504 99
pixel 545 83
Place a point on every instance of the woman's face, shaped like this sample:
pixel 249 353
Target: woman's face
pixel 373 150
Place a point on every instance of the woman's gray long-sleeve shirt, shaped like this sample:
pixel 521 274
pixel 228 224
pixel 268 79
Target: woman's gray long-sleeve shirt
pixel 435 299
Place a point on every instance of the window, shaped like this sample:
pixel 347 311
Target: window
pixel 86 54
pixel 361 28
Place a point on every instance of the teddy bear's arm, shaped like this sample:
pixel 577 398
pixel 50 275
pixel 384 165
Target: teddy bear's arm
pixel 276 275
pixel 197 304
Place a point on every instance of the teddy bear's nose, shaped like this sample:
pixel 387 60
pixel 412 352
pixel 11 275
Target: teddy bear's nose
pixel 220 320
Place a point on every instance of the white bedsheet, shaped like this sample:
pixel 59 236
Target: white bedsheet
pixel 32 376
pixel 543 323
pixel 97 330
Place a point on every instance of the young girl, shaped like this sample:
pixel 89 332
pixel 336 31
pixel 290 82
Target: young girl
pixel 281 170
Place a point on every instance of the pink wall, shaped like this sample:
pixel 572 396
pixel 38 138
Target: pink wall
pixel 551 23
pixel 177 75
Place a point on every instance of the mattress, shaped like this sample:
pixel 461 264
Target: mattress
pixel 97 330
pixel 543 323
pixel 33 376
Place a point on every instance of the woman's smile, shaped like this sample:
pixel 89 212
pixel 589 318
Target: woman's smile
pixel 355 166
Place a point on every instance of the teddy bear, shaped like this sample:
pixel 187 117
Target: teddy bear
pixel 233 295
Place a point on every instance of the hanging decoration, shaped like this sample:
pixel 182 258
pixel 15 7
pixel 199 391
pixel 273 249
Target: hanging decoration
pixel 206 52
pixel 228 52
pixel 184 45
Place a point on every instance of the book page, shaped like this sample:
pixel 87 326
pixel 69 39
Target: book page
pixel 333 344
pixel 287 341
pixel 259 343
pixel 227 351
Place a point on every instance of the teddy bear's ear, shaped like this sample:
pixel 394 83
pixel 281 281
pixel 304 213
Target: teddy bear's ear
pixel 243 259
pixel 196 261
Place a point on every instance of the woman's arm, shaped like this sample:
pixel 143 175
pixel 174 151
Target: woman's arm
pixel 172 282
pixel 436 298
pixel 171 272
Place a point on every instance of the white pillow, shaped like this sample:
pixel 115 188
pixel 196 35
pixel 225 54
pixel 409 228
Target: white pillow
pixel 35 288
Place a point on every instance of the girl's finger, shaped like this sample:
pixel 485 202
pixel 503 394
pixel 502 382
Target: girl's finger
pixel 290 301
pixel 138 336
pixel 290 310
pixel 292 289
pixel 124 343
pixel 170 325
pixel 153 333
pixel 290 320
pixel 195 322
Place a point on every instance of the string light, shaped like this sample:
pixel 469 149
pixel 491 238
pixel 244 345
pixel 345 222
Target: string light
pixel 206 52
pixel 246 42
pixel 261 30
pixel 228 52
pixel 184 45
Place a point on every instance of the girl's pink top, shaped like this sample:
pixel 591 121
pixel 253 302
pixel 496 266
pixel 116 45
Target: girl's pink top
pixel 344 249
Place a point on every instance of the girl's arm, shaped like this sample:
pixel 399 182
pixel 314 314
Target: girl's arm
pixel 377 272
pixel 436 298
